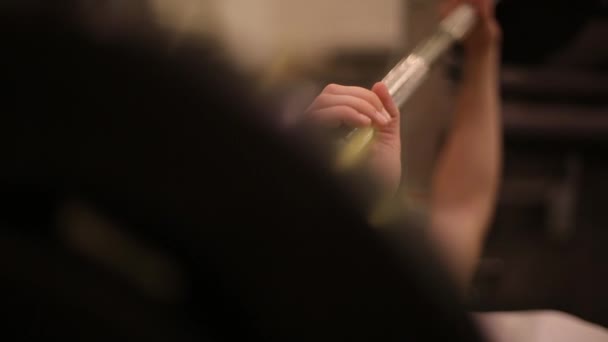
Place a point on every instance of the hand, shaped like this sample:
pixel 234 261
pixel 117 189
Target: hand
pixel 487 33
pixel 354 107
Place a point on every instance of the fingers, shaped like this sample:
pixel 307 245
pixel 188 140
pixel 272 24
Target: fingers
pixel 337 116
pixel 359 101
pixel 356 103
pixel 485 8
pixel 381 91
pixel 490 8
pixel 355 91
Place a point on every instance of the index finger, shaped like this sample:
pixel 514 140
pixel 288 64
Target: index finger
pixel 361 93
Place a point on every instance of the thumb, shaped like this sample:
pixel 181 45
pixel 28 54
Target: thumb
pixel 381 91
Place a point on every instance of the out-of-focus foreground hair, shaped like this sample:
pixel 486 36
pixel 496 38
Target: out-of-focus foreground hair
pixel 143 199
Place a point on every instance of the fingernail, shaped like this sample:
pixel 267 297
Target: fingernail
pixel 383 117
pixel 387 115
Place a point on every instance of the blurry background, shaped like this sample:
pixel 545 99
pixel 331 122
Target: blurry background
pixel 547 248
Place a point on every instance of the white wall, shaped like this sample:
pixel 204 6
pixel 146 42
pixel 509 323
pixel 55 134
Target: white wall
pixel 257 31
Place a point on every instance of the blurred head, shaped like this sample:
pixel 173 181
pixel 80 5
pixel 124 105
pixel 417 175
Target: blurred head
pixel 165 150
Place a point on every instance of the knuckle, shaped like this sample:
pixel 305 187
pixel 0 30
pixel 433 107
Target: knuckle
pixel 346 110
pixel 369 106
pixel 323 97
pixel 353 114
pixel 375 100
pixel 332 87
pixel 323 100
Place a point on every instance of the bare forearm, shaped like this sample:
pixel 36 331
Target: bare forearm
pixel 468 170
pixel 470 162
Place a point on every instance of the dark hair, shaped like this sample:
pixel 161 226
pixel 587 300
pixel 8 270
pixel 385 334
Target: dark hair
pixel 168 143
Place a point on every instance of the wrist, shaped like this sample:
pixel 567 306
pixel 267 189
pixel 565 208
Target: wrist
pixel 481 58
pixel 491 47
pixel 485 38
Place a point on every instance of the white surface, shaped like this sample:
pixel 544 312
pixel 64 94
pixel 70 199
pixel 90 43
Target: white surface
pixel 539 326
pixel 257 31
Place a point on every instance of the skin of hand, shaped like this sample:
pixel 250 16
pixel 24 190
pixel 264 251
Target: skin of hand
pixel 486 34
pixel 355 107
